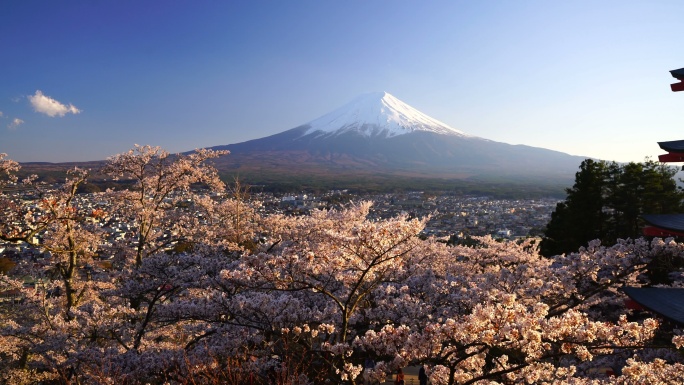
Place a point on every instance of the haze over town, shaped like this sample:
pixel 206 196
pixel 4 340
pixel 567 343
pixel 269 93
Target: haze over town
pixel 83 81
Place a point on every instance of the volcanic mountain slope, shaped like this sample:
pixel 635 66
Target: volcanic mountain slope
pixel 378 134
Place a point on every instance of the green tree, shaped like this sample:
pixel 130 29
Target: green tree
pixel 607 201
pixel 580 217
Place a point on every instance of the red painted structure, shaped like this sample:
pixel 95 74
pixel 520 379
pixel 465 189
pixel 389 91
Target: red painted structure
pixel 671 158
pixel 679 75
pixel 669 225
pixel 667 302
pixel 653 231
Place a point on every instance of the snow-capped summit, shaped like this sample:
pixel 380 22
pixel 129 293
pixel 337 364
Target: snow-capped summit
pixel 377 114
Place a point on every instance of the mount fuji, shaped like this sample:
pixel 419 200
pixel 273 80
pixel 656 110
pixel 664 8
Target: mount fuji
pixel 377 137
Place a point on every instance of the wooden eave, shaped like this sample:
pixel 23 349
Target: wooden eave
pixel 668 222
pixel 675 151
pixel 664 301
pixel 679 75
pixel 673 146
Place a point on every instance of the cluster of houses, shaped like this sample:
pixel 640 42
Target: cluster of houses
pixel 452 217
pixel 450 214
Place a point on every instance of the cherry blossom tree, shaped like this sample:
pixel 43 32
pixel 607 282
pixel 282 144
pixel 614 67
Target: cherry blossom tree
pixel 151 205
pixel 56 224
pixel 209 291
pixel 232 221
pixel 7 167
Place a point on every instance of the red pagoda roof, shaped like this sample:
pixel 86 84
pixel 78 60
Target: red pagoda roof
pixel 676 146
pixel 679 75
pixel 665 301
pixel 673 222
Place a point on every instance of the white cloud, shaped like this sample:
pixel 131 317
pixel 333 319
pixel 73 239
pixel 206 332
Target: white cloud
pixel 1 114
pixel 16 122
pixel 49 106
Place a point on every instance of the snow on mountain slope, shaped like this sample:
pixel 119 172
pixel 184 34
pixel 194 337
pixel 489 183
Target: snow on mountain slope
pixel 377 114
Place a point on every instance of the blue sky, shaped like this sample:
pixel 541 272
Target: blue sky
pixel 84 80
